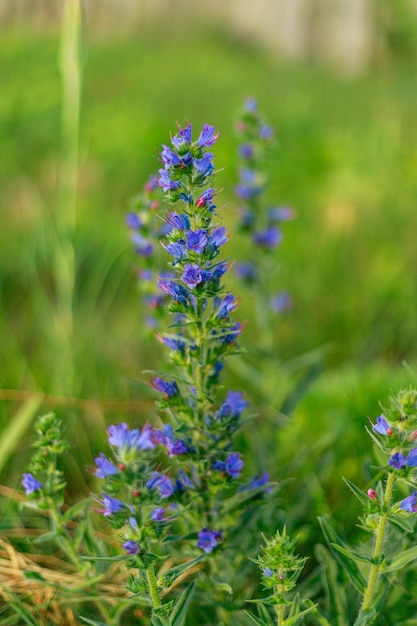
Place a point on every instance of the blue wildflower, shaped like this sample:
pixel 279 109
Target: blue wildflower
pixel 133 221
pixel 246 151
pixel 131 547
pixel 183 137
pixel 280 214
pixel 398 460
pixel 218 237
pixel 165 181
pixel 162 484
pixel 233 406
pixel 269 238
pixel 104 466
pixel 192 275
pixel 204 166
pixel 142 245
pixel 177 250
pixel 267 572
pixel 409 504
pixel 246 271
pixel 177 292
pixel 30 484
pixel 208 539
pixel 176 344
pixel 158 514
pixel 281 302
pixel 168 388
pixel 111 505
pixel 183 481
pixel 219 466
pixel 225 306
pixel 207 136
pixel 234 465
pixel 197 240
pixel 382 427
pixel 181 222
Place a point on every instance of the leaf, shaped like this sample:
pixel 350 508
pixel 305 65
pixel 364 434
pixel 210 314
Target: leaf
pixel 176 571
pixel 49 536
pixel 318 616
pixel 21 610
pixel 350 554
pixel 34 576
pixel 335 593
pixel 365 618
pixel 77 508
pixel 92 622
pixel 12 435
pixel 402 522
pixel 401 559
pixel 332 537
pixel 258 620
pixel 180 609
pixel 361 495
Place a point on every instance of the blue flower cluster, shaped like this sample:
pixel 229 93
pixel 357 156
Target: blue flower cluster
pixel 202 471
pixel 262 223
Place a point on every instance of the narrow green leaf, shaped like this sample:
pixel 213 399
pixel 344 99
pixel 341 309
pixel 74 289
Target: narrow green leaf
pixel 335 593
pixel 361 495
pixel 21 610
pixel 176 571
pixel 180 608
pixel 92 622
pixel 77 508
pixel 365 618
pixel 402 522
pixel 49 536
pixel 332 537
pixel 318 616
pixel 19 423
pixel 34 576
pixel 258 620
pixel 401 559
pixel 350 554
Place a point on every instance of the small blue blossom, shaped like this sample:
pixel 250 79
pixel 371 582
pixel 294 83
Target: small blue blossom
pixel 206 199
pixel 225 306
pixel 192 275
pixel 162 483
pixel 183 481
pixel 133 221
pixel 204 166
pixel 168 388
pixel 246 271
pixel 158 514
pixel 131 547
pixel 208 539
pixel 180 222
pixel 165 181
pixel 398 460
pixel 30 484
pixel 177 292
pixel 219 466
pixel 246 151
pixel 409 504
pixel 197 240
pixel 207 136
pixel 218 237
pixel 233 406
pixel 234 465
pixel 382 427
pixel 111 505
pixel 142 245
pixel 269 238
pixel 176 344
pixel 175 447
pixel 183 137
pixel 104 466
pixel 251 105
pixel 280 214
pixel 281 302
pixel 267 572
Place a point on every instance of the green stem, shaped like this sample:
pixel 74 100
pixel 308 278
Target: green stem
pixel 65 219
pixel 379 542
pixel 153 588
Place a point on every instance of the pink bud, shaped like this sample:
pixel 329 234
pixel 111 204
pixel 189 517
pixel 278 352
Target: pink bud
pixel 372 494
pixel 413 436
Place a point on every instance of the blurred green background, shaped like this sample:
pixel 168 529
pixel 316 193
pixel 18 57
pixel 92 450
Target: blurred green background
pixel 346 162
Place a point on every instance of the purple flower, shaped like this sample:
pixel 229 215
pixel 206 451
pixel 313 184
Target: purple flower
pixel 197 240
pixel 256 482
pixel 232 334
pixel 219 270
pixel 246 271
pixel 192 275
pixel 168 388
pixel 142 245
pixel 249 186
pixel 206 199
pixel 176 344
pixel 265 132
pixel 233 406
pixel 162 484
pixel 143 440
pixel 234 465
pixel 131 547
pixel 183 481
pixel 181 222
pixel 382 427
pixel 208 539
pixel 281 302
pixel 177 250
pixel 183 137
pixel 151 184
pixel 269 238
pixel 207 136
pixel 165 182
pixel 267 572
pixel 226 306
pixel 175 447
pixel 122 437
pixel 409 504
pixel 251 105
pixel 177 292
pixel 219 466
pixel 412 458
pixel 111 505
pixel 133 220
pixel 246 151
pixel 218 237
pixel 204 166
pixel 105 467
pixel 398 460
pixel 158 514
pixel 30 484
pixel 280 214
